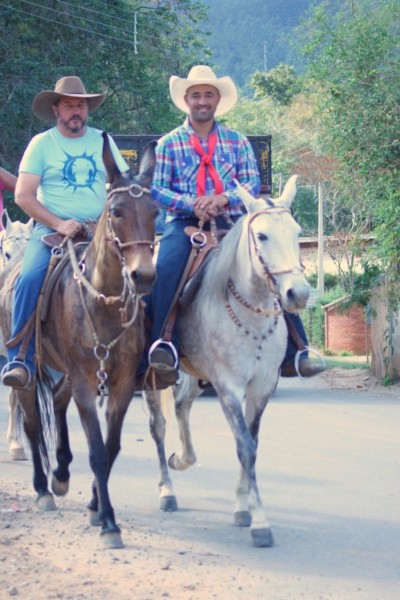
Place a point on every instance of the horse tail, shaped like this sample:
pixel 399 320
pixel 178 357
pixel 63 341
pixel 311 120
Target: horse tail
pixel 44 408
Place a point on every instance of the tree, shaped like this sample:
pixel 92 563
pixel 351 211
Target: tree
pixel 126 47
pixel 353 70
pixel 279 83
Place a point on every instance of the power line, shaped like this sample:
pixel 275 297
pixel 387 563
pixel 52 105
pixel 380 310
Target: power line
pixel 76 27
pixel 79 28
pixel 114 17
pixel 60 12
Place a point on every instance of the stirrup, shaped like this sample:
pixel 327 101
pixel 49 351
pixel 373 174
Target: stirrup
pixel 170 345
pixel 298 355
pixel 14 364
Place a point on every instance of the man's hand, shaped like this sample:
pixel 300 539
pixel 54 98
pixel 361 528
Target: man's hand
pixel 206 207
pixel 69 227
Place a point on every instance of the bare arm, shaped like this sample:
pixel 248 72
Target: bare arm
pixel 25 198
pixel 8 179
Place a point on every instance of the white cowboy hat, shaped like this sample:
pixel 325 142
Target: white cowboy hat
pixel 70 86
pixel 200 75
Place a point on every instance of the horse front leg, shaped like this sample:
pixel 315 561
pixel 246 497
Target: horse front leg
pixel 62 398
pixel 184 393
pixel 255 407
pixel 247 491
pixel 15 445
pixel 100 507
pixel 168 502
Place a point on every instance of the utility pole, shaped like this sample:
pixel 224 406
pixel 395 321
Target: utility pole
pixel 321 287
pixel 265 57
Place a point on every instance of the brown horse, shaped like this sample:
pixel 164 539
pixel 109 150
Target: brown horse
pixel 94 334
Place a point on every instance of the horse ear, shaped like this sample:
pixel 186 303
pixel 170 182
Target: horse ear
pixel 148 161
pixel 289 192
pixel 251 204
pixel 108 159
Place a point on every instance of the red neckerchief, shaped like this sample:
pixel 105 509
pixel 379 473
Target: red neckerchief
pixel 206 163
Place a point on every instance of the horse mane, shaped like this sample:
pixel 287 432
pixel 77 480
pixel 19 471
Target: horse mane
pixel 219 270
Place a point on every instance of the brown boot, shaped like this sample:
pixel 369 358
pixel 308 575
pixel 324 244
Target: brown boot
pixel 306 369
pixel 152 380
pixel 18 377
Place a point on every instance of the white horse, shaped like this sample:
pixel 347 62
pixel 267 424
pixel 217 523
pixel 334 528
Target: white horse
pixel 234 336
pixel 13 237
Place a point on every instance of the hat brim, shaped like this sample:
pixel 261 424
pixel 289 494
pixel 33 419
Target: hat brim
pixel 227 89
pixel 42 105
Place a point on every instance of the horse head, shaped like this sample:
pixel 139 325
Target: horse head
pixel 14 236
pixel 130 218
pixel 273 241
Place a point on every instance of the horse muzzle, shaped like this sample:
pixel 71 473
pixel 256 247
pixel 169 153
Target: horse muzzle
pixel 295 297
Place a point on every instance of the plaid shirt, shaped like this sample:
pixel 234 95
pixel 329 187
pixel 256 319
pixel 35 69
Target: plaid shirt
pixel 177 164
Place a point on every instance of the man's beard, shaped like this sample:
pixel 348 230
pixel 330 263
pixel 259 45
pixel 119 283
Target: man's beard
pixel 73 128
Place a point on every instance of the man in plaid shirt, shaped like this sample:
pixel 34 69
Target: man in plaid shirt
pixel 196 165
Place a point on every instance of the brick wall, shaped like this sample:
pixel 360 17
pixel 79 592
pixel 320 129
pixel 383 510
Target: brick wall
pixel 346 330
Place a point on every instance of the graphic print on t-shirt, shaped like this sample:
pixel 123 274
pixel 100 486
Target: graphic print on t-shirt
pixel 80 171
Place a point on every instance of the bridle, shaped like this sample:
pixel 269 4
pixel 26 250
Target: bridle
pixel 270 275
pixel 136 191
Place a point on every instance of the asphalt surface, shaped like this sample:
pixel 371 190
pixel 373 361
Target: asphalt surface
pixel 328 473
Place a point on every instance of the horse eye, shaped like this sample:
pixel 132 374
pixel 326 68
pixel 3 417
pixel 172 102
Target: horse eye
pixel 115 212
pixel 262 237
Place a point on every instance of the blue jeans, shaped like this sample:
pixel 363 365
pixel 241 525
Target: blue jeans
pixel 33 272
pixel 291 347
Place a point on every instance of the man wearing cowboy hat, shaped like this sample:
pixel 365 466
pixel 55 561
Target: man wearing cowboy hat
pixel 61 184
pixel 196 165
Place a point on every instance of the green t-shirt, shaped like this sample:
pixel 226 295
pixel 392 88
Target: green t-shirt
pixel 72 172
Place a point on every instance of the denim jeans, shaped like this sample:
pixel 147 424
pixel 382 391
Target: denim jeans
pixel 29 283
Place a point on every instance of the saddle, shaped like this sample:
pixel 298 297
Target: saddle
pixel 56 265
pixel 203 243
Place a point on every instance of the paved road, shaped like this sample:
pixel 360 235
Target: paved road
pixel 329 476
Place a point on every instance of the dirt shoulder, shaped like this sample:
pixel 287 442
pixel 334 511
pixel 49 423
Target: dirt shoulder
pixel 361 379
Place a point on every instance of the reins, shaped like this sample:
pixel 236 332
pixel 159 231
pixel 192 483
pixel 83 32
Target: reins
pixel 130 300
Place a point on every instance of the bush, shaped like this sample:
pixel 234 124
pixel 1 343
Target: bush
pixel 314 318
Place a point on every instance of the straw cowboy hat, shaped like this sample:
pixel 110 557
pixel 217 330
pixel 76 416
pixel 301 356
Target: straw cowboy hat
pixel 70 86
pixel 200 75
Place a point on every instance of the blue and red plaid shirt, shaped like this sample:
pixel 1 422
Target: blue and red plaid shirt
pixel 177 164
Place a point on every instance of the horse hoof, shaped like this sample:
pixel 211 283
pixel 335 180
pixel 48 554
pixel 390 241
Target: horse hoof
pixel 17 453
pixel 60 488
pixel 46 503
pixel 168 504
pixel 94 518
pixel 242 518
pixel 112 540
pixel 262 538
pixel 174 462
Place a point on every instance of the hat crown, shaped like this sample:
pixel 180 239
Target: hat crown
pixel 201 72
pixel 70 85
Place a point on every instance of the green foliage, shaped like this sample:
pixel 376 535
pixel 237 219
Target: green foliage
pixel 330 280
pixel 314 321
pixel 353 68
pixel 254 36
pixel 364 282
pixel 96 42
pixel 279 83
